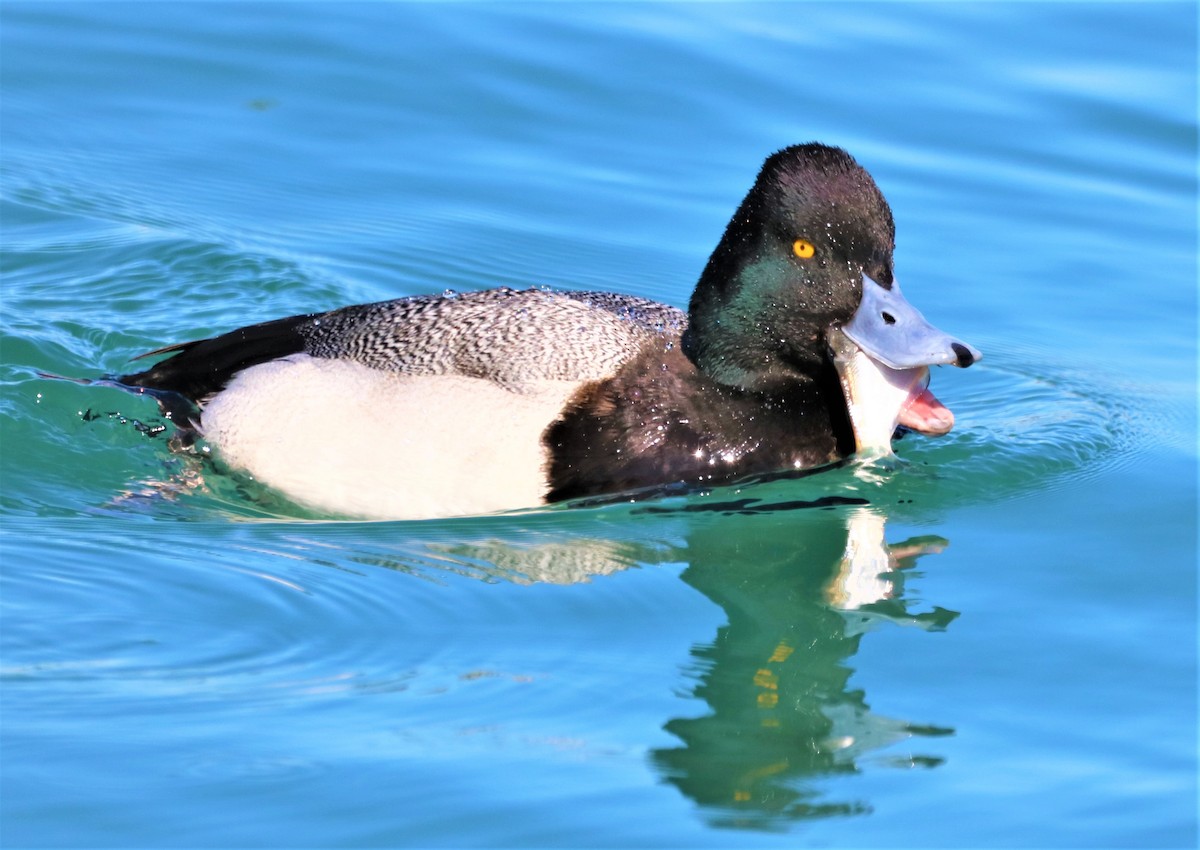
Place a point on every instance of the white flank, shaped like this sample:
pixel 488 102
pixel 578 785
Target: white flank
pixel 347 439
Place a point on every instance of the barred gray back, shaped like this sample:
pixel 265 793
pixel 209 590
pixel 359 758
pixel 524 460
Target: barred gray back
pixel 506 335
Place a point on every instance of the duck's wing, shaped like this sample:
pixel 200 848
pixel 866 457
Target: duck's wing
pixel 504 335
pixel 508 336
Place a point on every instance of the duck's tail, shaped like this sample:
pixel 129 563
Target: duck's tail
pixel 196 370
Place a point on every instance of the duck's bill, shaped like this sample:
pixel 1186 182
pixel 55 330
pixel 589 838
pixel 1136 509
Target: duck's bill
pixel 895 333
pixel 883 357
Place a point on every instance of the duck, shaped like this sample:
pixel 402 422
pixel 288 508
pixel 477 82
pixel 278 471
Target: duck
pixel 796 351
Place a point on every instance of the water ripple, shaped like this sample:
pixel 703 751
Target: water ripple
pixel 1028 422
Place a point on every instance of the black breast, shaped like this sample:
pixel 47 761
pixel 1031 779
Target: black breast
pixel 661 421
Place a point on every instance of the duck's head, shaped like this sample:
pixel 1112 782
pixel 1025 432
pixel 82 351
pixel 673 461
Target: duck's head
pixel 802 282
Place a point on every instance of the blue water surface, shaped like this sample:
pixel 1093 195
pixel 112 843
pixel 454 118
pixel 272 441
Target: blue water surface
pixel 189 660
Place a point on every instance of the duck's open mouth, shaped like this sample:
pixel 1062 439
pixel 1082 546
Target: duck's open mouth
pixel 883 357
pixel 879 397
pixel 924 413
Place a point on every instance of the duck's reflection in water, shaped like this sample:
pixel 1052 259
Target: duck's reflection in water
pixel 799 601
pixel 801 583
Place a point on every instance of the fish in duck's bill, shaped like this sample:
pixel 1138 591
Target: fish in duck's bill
pixel 883 357
pixel 796 350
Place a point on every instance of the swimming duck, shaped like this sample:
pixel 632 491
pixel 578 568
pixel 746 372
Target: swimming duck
pixel 797 350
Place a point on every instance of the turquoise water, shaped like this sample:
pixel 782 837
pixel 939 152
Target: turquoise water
pixel 190 661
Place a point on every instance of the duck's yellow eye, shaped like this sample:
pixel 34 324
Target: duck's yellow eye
pixel 803 249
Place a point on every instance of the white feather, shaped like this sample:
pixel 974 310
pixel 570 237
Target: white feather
pixel 344 438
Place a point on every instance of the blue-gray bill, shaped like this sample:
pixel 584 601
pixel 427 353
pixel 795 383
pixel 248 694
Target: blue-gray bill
pixel 895 333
